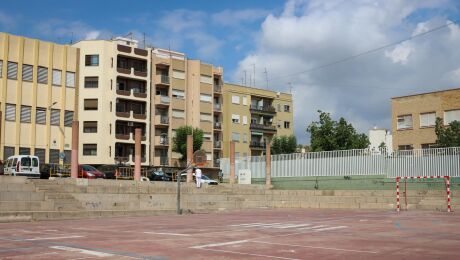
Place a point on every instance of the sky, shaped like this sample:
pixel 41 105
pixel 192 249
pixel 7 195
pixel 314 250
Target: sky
pixel 282 43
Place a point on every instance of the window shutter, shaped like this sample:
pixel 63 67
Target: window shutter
pixel 55 116
pixel 25 114
pixel 68 118
pixel 57 77
pixel 245 120
pixel 12 70
pixel 40 116
pixel 42 75
pixel 10 114
pixel 27 72
pixel 70 79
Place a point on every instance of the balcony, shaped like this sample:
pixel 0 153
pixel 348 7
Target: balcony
pixel 218 126
pixel 218 88
pixel 256 145
pixel 161 120
pixel 124 130
pixel 160 140
pixel 162 79
pixel 161 100
pixel 132 66
pixel 130 109
pixel 217 144
pixel 263 127
pixel 124 152
pixel 133 92
pixel 160 161
pixel 263 109
pixel 217 107
pixel 128 137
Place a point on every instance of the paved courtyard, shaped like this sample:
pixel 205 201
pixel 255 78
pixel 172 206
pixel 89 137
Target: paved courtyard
pixel 257 234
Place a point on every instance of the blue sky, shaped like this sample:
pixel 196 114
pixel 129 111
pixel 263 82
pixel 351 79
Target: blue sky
pixel 283 37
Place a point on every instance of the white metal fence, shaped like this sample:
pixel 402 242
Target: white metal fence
pixel 421 162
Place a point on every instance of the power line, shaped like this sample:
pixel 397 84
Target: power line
pixel 368 52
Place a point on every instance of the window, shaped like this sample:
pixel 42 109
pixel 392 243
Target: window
pixel 26 114
pixel 54 156
pixel 178 113
pixel 205 98
pixel 287 108
pixel 245 101
pixel 235 99
pixel 405 147
pixel 27 72
pixel 428 146
pixel 235 119
pixel 245 138
pixel 92 60
pixel 68 156
pixel 12 70
pixel 91 82
pixel 10 114
pixel 55 116
pixel 178 74
pixel 40 153
pixel 245 120
pixel 90 149
pixel 57 76
pixel 40 116
pixel 206 117
pixel 209 156
pixel 68 118
pixel 90 104
pixel 206 79
pixel 42 76
pixel 70 79
pixel 24 151
pixel 452 115
pixel 179 94
pixel 235 137
pixel 404 122
pixel 287 124
pixel 7 152
pixel 207 136
pixel 90 127
pixel 427 119
pixel 1 68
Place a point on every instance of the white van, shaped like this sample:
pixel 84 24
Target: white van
pixel 23 165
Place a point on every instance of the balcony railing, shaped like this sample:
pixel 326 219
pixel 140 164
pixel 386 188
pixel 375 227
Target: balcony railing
pixel 217 125
pixel 263 127
pixel 217 107
pixel 161 120
pixel 217 144
pixel 161 140
pixel 162 100
pixel 257 145
pixel 263 109
pixel 218 88
pixel 164 79
pixel 161 161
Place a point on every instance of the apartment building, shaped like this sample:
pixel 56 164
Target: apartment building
pixel 38 85
pixel 114 98
pixel 252 117
pixel 187 92
pixel 414 117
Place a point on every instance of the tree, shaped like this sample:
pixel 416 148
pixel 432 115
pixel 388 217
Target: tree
pixel 283 144
pixel 330 135
pixel 447 136
pixel 180 140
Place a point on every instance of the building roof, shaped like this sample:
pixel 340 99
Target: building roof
pixel 260 89
pixel 427 93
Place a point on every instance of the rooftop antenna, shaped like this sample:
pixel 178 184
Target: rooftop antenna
pixel 266 76
pixel 245 77
pixel 250 80
pixel 254 66
pixel 143 39
pixel 71 37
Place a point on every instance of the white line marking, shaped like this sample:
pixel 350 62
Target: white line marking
pixel 294 226
pixel 320 226
pixel 329 228
pixel 83 251
pixel 51 230
pixel 241 253
pixel 221 244
pixel 170 234
pixel 50 238
pixel 236 225
pixel 317 247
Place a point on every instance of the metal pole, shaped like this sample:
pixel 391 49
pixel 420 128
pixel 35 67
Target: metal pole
pixel 74 155
pixel 268 166
pixel 178 210
pixel 137 154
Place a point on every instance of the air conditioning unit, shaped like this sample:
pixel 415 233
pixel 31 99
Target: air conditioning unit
pixel 130 123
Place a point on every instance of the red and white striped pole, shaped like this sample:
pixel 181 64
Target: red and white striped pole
pixel 397 194
pixel 447 178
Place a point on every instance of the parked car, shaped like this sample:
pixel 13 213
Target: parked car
pixel 89 172
pixel 23 165
pixel 204 179
pixel 159 176
pixel 110 170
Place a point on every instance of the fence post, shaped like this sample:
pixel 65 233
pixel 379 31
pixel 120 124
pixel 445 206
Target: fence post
pixel 137 154
pixel 232 162
pixel 74 155
pixel 268 166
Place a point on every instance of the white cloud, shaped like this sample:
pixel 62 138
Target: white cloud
pixel 237 17
pixel 308 34
pixel 63 30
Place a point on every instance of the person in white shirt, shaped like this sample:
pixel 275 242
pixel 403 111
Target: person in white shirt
pixel 198 177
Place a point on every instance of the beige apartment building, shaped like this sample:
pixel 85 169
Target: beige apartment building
pixel 414 117
pixel 38 85
pixel 187 92
pixel 252 117
pixel 114 100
